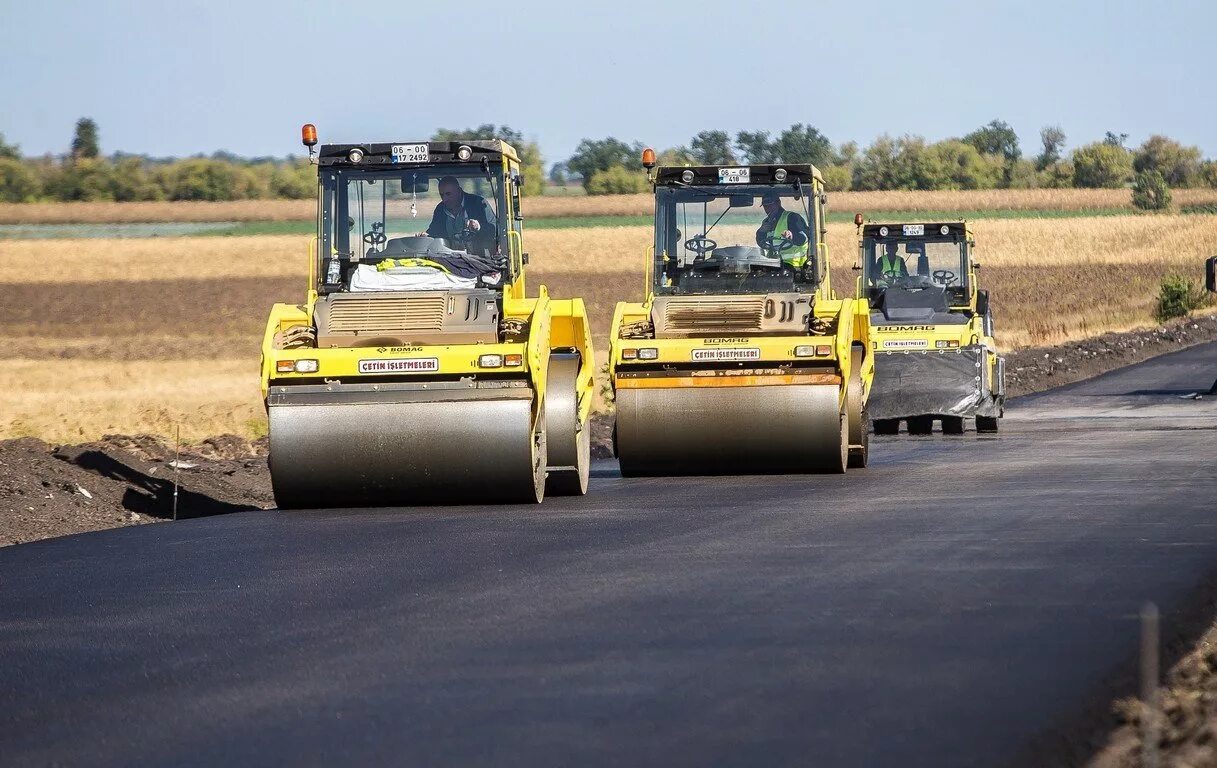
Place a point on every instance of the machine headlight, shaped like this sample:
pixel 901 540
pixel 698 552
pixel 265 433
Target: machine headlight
pixel 687 177
pixel 882 231
pixel 490 361
pixel 307 366
pixel 950 344
pixel 805 350
pixel 945 230
pixel 464 152
pixel 648 353
pixel 779 175
pixel 355 155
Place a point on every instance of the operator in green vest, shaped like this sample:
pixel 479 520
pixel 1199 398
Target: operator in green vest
pixel 781 224
pixel 890 266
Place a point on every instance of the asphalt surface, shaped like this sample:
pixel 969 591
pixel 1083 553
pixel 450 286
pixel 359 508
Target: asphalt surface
pixel 950 605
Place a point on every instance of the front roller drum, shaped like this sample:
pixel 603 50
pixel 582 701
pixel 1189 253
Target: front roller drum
pixel 569 441
pixel 405 453
pixel 715 430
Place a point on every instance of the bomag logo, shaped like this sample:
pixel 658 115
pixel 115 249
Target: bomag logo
pixel 904 328
pixel 382 350
pixel 736 340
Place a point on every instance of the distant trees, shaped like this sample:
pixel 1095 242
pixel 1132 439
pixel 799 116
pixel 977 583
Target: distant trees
pixel 1103 164
pixel 1178 165
pixel 1052 137
pixel 85 143
pixel 712 148
pixel 1150 192
pixel 614 160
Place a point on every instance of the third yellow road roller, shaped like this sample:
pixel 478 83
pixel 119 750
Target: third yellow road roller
pixel 740 358
pixel 417 369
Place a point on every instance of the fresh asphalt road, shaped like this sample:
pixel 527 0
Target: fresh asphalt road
pixel 947 606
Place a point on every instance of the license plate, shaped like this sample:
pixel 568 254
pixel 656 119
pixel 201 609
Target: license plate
pixel 399 365
pixel 728 354
pixel 411 153
pixel 734 175
pixel 914 230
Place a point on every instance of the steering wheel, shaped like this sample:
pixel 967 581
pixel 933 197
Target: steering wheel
pixel 700 244
pixel 944 276
pixel 775 244
pixel 377 235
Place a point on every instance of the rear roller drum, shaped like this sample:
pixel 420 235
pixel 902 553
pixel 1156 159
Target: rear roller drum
pixel 952 425
pixel 569 441
pixel 986 424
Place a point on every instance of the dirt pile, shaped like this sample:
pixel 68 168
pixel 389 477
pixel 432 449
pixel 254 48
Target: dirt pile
pixel 1036 369
pixel 124 480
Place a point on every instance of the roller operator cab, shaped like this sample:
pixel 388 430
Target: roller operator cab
pixel 740 358
pixel 935 355
pixel 417 370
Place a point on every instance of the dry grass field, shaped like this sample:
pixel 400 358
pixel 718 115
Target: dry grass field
pixel 145 335
pixel 557 206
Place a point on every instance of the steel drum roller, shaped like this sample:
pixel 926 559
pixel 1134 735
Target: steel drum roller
pixel 347 454
pixel 731 430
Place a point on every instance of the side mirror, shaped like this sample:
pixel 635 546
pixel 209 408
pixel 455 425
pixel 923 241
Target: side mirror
pixel 982 303
pixel 524 257
pixel 1210 274
pixel 515 197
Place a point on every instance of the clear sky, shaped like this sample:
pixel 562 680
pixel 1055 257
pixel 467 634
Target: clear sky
pixel 165 77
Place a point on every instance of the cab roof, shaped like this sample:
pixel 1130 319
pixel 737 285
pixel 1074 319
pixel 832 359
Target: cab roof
pixel 896 230
pixel 758 174
pixel 440 152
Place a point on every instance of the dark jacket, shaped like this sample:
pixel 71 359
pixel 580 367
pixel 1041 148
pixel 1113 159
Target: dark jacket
pixel 794 222
pixel 445 226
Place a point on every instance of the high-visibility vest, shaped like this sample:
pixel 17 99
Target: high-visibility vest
pixel 893 267
pixel 795 255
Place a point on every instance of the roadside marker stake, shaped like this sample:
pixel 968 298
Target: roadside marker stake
pixel 177 463
pixel 1149 685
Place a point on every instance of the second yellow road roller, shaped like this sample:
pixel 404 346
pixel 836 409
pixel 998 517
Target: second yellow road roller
pixel 417 369
pixel 740 358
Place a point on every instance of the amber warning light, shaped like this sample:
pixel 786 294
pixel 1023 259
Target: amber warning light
pixel 648 158
pixel 308 134
pixel 857 219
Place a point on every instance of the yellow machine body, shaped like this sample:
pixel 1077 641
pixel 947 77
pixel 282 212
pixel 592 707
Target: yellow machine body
pixel 771 373
pixel 431 391
pixel 936 357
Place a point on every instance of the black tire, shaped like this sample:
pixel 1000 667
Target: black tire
pixel 986 424
pixel 952 425
pixel 886 426
pixel 921 425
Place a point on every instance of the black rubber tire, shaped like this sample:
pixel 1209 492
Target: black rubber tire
pixel 921 425
pixel 859 420
pixel 986 424
pixel 952 425
pixel 886 426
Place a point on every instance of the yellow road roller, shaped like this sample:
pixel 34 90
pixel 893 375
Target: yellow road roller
pixel 740 358
pixel 417 370
pixel 935 355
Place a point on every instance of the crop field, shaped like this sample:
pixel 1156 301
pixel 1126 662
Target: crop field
pixel 992 201
pixel 145 335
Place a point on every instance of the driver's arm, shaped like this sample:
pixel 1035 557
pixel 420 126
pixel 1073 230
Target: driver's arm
pixel 762 233
pixel 798 229
pixel 436 227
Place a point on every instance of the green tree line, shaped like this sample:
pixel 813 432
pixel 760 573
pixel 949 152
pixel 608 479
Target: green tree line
pixel 989 157
pixel 84 174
